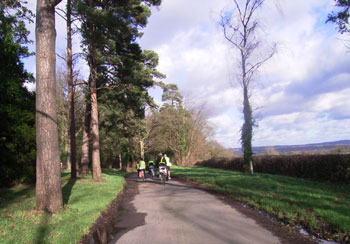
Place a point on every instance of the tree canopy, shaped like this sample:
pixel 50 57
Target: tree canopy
pixel 341 16
pixel 17 104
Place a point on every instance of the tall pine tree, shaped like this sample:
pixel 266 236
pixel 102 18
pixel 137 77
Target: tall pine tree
pixel 109 30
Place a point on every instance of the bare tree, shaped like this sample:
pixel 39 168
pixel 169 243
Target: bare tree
pixel 48 172
pixel 67 16
pixel 183 131
pixel 240 28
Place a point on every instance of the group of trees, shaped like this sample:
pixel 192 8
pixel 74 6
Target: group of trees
pixel 180 131
pixel 120 73
pixel 116 97
pixel 111 104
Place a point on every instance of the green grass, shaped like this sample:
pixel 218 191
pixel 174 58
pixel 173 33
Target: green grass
pixel 322 208
pixel 83 199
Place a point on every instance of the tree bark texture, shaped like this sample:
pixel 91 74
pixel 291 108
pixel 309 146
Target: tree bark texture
pixel 247 127
pixel 73 146
pixel 84 163
pixel 96 162
pixel 247 132
pixel 48 178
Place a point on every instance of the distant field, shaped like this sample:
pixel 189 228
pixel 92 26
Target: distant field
pixel 325 146
pixel 322 209
pixel 84 201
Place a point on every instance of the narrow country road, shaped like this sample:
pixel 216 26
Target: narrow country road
pixel 179 213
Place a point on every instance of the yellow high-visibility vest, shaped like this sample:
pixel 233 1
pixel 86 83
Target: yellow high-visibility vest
pixel 161 161
pixel 142 165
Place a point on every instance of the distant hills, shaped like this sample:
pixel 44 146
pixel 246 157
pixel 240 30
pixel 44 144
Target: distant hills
pixel 300 148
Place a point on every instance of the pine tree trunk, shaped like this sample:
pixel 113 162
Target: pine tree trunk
pixel 84 163
pixel 73 147
pixel 48 183
pixel 96 163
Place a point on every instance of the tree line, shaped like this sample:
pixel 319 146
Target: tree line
pixel 111 121
pixel 88 124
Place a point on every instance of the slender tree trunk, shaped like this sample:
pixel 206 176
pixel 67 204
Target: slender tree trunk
pixel 67 164
pixel 247 128
pixel 247 132
pixel 120 161
pixel 73 147
pixel 142 148
pixel 48 182
pixel 96 163
pixel 84 163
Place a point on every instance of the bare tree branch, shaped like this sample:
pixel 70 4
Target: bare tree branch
pixel 62 15
pixel 64 58
pixel 241 33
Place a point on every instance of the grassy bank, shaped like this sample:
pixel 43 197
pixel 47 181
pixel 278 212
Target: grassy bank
pixel 323 209
pixel 83 199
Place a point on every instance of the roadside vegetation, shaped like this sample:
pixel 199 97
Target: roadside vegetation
pixel 320 208
pixel 84 200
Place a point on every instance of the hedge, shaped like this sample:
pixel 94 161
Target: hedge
pixel 332 167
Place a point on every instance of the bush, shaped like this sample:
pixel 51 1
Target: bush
pixel 332 167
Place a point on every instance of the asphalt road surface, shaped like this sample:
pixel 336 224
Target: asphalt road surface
pixel 178 213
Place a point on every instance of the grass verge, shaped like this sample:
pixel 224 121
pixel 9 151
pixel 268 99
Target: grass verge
pixel 83 199
pixel 322 209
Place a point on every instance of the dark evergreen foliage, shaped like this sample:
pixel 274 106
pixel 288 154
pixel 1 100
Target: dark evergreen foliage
pixel 125 72
pixel 341 17
pixel 17 104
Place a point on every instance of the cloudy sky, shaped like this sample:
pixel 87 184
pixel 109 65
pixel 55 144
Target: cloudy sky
pixel 299 96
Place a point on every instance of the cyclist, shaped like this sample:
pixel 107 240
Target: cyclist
pixel 151 168
pixel 138 168
pixel 158 159
pixel 142 167
pixel 161 161
pixel 168 164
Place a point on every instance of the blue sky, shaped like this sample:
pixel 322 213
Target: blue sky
pixel 300 96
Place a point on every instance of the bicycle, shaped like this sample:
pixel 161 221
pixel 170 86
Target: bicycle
pixel 143 175
pixel 163 174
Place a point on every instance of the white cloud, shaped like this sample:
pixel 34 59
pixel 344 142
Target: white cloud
pixel 302 91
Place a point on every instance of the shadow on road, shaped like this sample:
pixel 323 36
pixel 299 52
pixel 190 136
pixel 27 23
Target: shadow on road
pixel 156 180
pixel 120 218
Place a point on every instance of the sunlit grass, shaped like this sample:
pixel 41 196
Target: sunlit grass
pixel 295 201
pixel 84 201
